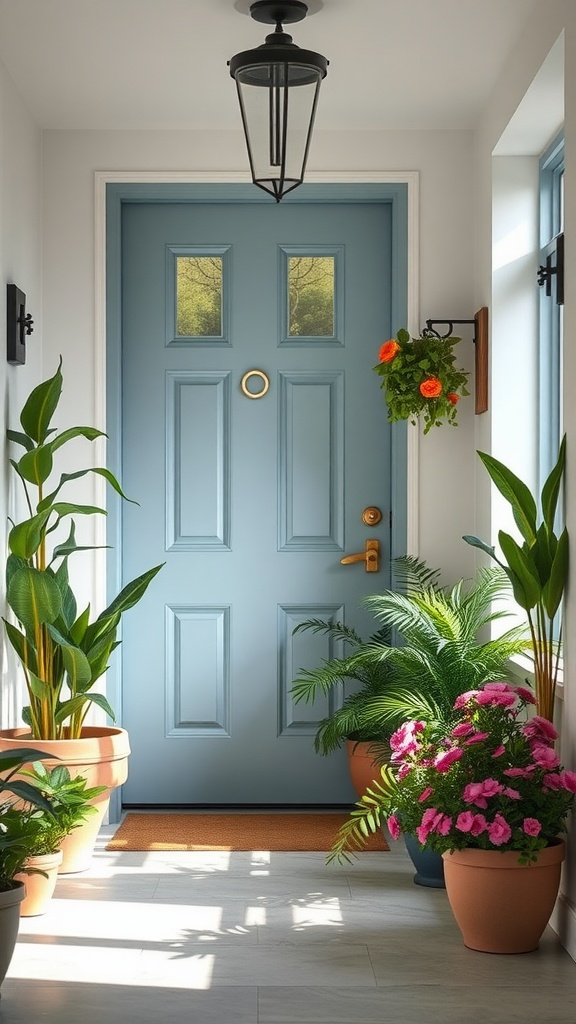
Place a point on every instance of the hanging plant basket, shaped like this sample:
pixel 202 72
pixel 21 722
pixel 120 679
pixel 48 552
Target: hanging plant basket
pixel 420 380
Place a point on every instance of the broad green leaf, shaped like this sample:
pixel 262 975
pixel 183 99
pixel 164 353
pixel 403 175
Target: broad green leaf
pixel 76 663
pixel 554 588
pixel 516 493
pixel 34 597
pixel 64 508
pixel 41 406
pixel 18 438
pixel 523 575
pixel 90 433
pixel 131 593
pixel 21 645
pixel 551 488
pixel 36 466
pixel 25 538
pixel 78 630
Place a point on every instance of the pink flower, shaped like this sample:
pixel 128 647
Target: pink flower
pixel 499 831
pixel 496 698
pixel 446 758
pixel 474 794
pixel 478 825
pixel 429 820
pixel 462 729
pixel 531 826
pixel 467 821
pixel 512 794
pixel 444 825
pixel 544 757
pixel 540 729
pixel 394 826
pixel 425 794
pixel 526 695
pixel 405 740
pixel 568 780
pixel 463 698
pixel 478 737
pixel 552 780
pixel 519 773
pixel 499 751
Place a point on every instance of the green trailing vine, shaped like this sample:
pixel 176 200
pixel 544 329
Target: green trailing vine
pixel 419 379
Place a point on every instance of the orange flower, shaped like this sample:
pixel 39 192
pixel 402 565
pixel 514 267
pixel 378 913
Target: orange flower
pixel 431 387
pixel 453 397
pixel 388 350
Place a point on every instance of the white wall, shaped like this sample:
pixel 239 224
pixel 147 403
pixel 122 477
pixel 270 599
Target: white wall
pixel 545 27
pixel 445 163
pixel 20 264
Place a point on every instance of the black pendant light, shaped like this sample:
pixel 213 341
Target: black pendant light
pixel 278 85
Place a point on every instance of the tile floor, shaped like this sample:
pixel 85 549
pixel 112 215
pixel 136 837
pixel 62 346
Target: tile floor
pixel 260 938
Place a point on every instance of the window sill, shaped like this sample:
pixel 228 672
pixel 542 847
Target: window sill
pixel 523 668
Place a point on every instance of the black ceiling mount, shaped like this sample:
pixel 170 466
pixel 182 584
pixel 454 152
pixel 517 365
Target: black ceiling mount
pixel 269 12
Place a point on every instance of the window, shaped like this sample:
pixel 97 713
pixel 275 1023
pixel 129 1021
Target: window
pixel 551 304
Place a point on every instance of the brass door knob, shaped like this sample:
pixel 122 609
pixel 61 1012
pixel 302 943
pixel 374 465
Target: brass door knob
pixel 370 556
pixel 371 515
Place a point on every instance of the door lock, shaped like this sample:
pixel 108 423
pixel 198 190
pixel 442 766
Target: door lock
pixel 370 556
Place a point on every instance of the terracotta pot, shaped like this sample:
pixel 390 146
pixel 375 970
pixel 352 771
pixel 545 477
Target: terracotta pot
pixel 10 900
pixel 40 884
pixel 500 905
pixel 101 756
pixel 362 765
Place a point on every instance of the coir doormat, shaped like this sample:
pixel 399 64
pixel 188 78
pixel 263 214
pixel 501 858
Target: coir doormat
pixel 240 831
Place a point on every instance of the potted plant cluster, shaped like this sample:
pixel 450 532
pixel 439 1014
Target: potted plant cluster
pixel 490 795
pixel 439 651
pixel 420 379
pixel 537 567
pixel 64 652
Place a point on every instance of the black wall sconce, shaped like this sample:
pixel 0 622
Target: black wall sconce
pixel 480 340
pixel 19 323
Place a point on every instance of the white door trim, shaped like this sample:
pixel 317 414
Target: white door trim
pixel 102 178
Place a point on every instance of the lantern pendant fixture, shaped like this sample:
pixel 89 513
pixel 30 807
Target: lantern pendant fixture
pixel 278 85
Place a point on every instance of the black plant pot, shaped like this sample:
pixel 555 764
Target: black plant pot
pixel 429 864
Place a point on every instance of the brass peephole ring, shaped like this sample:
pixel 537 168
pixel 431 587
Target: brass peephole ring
pixel 265 384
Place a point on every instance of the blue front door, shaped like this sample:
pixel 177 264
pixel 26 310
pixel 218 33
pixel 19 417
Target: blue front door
pixel 254 434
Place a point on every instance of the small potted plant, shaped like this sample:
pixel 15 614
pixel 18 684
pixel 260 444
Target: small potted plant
pixel 491 797
pixel 63 652
pixel 70 805
pixel 16 842
pixel 420 379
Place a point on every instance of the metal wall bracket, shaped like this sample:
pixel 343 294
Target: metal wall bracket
pixel 480 340
pixel 19 324
pixel 553 268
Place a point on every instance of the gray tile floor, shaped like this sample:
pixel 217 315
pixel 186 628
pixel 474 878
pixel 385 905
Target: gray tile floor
pixel 260 938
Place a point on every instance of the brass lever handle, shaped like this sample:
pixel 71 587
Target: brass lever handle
pixel 370 556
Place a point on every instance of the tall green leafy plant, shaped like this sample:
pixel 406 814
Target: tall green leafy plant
pixel 537 567
pixel 63 653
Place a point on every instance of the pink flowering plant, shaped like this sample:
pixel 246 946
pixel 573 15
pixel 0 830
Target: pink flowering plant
pixel 491 781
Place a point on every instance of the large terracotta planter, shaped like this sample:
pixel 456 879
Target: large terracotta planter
pixel 39 883
pixel 101 756
pixel 10 900
pixel 500 905
pixel 363 766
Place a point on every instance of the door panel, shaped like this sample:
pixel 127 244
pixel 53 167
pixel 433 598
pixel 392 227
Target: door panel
pixel 252 502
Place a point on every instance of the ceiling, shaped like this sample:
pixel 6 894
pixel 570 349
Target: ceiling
pixel 162 64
